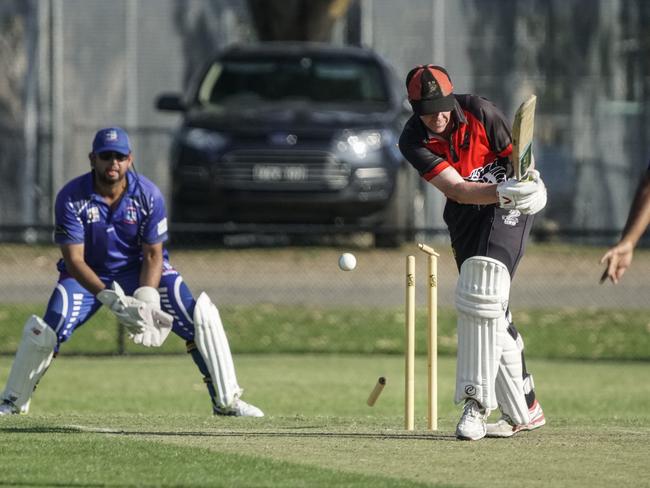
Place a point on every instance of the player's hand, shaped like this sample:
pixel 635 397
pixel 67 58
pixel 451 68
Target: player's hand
pixel 528 195
pixel 617 259
pixel 158 324
pixel 128 310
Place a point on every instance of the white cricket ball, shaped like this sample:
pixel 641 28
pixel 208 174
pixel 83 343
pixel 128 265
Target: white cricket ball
pixel 347 261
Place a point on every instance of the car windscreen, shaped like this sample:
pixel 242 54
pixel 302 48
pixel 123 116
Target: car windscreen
pixel 276 80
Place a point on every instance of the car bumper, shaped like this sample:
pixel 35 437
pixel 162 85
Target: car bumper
pixel 209 201
pixel 297 186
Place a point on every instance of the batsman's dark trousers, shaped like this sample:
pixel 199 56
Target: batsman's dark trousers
pixel 487 230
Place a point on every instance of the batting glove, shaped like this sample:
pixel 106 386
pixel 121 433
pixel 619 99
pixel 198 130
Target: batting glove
pixel 528 195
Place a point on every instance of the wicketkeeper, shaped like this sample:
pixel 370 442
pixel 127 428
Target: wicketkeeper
pixel 111 225
pixel 461 144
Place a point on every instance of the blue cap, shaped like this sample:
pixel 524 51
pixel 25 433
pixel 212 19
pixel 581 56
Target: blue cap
pixel 112 139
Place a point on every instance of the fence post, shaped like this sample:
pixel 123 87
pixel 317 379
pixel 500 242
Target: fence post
pixel 121 339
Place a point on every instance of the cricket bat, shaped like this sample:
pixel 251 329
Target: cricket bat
pixel 522 137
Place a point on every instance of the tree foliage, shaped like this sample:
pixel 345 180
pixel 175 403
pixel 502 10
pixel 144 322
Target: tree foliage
pixel 296 20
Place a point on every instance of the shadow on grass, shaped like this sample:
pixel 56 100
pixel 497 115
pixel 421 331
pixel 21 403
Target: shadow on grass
pixel 49 483
pixel 77 429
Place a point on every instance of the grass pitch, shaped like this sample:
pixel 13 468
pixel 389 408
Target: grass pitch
pixel 145 421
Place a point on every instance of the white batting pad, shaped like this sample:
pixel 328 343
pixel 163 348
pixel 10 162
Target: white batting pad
pixel 32 359
pixel 211 340
pixel 510 387
pixel 481 301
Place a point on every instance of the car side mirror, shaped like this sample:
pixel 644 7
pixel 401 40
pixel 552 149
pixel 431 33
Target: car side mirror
pixel 171 102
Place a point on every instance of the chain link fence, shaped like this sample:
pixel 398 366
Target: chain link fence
pixel 551 275
pixel 65 75
pixel 72 66
pixel 276 282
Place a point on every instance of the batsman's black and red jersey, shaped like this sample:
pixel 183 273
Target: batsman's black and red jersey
pixel 478 148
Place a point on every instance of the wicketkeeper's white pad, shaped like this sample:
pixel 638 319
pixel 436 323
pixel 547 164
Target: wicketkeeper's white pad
pixel 481 301
pixel 32 359
pixel 211 340
pixel 510 386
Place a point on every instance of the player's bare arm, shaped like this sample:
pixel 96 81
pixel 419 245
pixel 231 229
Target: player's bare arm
pixel 619 257
pixel 452 184
pixel 152 262
pixel 73 255
pixel 639 217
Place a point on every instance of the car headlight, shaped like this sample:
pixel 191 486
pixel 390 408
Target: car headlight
pixel 359 143
pixel 204 140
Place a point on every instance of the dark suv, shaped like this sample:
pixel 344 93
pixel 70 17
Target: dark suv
pixel 294 133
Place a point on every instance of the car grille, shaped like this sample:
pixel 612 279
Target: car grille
pixel 281 170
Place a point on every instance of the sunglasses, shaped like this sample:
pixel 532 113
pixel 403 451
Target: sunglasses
pixel 112 155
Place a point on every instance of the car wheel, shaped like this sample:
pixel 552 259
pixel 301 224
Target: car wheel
pixel 405 212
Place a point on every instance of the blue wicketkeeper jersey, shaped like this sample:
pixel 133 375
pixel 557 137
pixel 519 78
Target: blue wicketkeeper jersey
pixel 112 238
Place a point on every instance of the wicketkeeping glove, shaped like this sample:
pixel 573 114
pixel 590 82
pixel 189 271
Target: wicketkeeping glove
pixel 127 309
pixel 158 324
pixel 528 195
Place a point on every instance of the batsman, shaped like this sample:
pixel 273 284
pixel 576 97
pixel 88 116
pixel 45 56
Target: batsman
pixel 462 145
pixel 111 225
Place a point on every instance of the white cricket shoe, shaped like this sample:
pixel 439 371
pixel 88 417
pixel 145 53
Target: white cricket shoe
pixel 239 409
pixel 471 426
pixel 505 427
pixel 8 408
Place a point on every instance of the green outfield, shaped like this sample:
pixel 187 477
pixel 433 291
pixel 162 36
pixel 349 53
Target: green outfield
pixel 144 421
pixel 99 419
pixel 549 333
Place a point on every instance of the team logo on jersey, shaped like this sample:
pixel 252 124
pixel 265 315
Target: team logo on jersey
pixel 92 215
pixel 131 215
pixel 512 218
pixel 162 226
pixel 490 173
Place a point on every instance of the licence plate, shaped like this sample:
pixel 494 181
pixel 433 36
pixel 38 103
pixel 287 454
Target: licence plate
pixel 276 172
